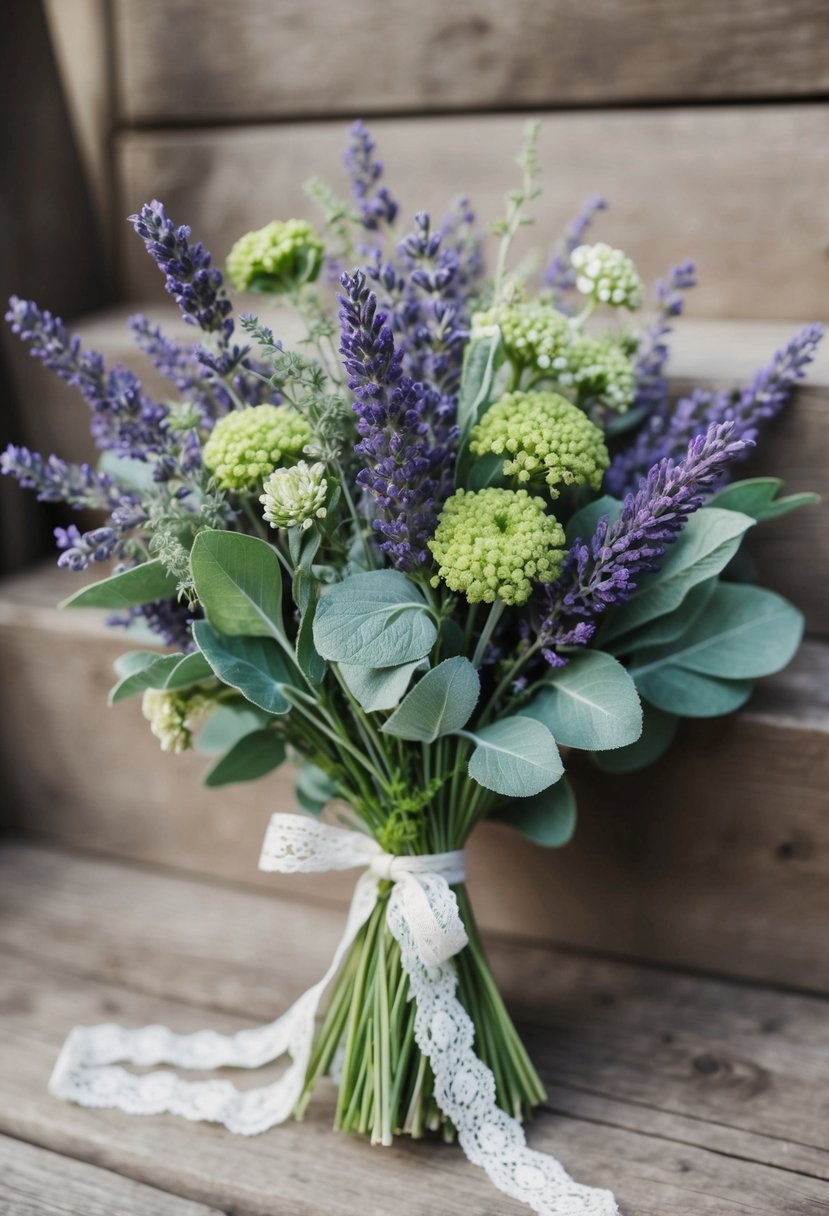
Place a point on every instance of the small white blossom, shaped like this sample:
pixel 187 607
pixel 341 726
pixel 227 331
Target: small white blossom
pixel 295 495
pixel 607 276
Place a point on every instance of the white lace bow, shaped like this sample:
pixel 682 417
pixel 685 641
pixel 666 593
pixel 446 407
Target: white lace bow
pixel 423 917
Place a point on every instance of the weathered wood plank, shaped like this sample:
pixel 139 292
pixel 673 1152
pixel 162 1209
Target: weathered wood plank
pixel 259 59
pixel 305 1170
pixel 736 188
pixel 714 858
pixel 34 1182
pixel 734 1068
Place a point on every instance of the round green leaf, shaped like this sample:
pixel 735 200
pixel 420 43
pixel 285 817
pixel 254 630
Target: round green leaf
pixel 248 760
pixel 516 757
pixel 591 703
pixel 549 818
pixel 377 619
pixel 253 666
pixel 658 731
pixel 690 695
pixel 441 702
pixel 239 583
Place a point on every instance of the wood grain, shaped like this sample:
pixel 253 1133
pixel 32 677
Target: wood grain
pixel 714 858
pixel 738 189
pixel 260 59
pixel 605 1024
pixel 34 1182
pixel 737 1068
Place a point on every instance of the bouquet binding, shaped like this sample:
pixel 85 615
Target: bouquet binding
pixel 389 557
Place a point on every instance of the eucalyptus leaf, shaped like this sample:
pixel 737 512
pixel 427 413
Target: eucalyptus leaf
pixel 658 731
pixel 745 632
pixel 709 540
pixel 488 470
pixel 377 688
pixel 314 789
pixel 664 629
pixel 378 619
pixel 238 581
pixel 249 759
pixel 583 524
pixel 227 725
pixel 757 497
pixel 516 757
pixel 129 589
pixel 170 672
pixel 134 660
pixel 691 695
pixel 256 667
pixel 440 703
pixel 591 703
pixel 548 818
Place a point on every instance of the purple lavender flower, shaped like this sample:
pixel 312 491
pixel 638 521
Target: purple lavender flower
pixel 376 205
pixel 169 618
pixel 405 440
pixel 667 435
pixel 190 277
pixel 57 480
pixel 80 549
pixel 559 276
pixel 123 419
pixel 602 573
pixel 652 354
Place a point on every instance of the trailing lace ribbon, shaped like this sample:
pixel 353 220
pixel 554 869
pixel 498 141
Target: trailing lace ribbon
pixel 423 917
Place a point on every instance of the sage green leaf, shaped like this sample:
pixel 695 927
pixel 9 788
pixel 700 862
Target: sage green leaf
pixel 667 628
pixel 134 660
pixel 309 662
pixel 129 589
pixel 516 757
pixel 378 619
pixel 227 725
pixel 439 704
pixel 757 497
pixel 488 470
pixel 238 581
pixel 255 667
pixel 376 688
pixel 745 632
pixel 190 670
pixel 658 731
pixel 248 760
pixel 314 789
pixel 591 703
pixel 482 359
pixel 549 818
pixel 170 672
pixel 689 694
pixel 130 473
pixel 583 523
pixel 709 540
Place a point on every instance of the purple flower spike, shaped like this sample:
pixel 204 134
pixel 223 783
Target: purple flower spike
pixel 376 205
pixel 748 409
pixel 602 573
pixel 652 355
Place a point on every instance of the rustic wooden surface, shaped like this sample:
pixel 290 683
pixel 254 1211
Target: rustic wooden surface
pixel 256 59
pixel 34 1182
pixel 690 1096
pixel 714 858
pixel 736 188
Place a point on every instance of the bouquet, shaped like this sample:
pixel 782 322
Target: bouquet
pixel 456 531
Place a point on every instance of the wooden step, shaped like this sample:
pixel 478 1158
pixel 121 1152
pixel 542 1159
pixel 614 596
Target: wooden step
pixel 689 1096
pixel 715 858
pixel 792 554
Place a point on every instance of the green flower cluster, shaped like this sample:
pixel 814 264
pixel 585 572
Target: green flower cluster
pixel 535 334
pixel 545 439
pixel 281 256
pixel 607 276
pixel 173 716
pixel 600 370
pixel 246 446
pixel 295 495
pixel 494 544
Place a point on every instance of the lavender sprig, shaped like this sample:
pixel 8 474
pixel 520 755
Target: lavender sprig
pixel 749 409
pixel 409 464
pixel 560 277
pixel 376 205
pixel 602 574
pixel 57 480
pixel 123 419
pixel 652 353
pixel 190 277
pixel 80 549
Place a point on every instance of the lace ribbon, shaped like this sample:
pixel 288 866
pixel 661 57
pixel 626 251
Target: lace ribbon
pixel 423 916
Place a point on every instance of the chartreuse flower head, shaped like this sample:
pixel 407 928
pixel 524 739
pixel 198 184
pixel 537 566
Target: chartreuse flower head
pixel 246 446
pixel 494 544
pixel 601 371
pixel 295 496
pixel 173 716
pixel 607 276
pixel 281 256
pixel 535 334
pixel 545 438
